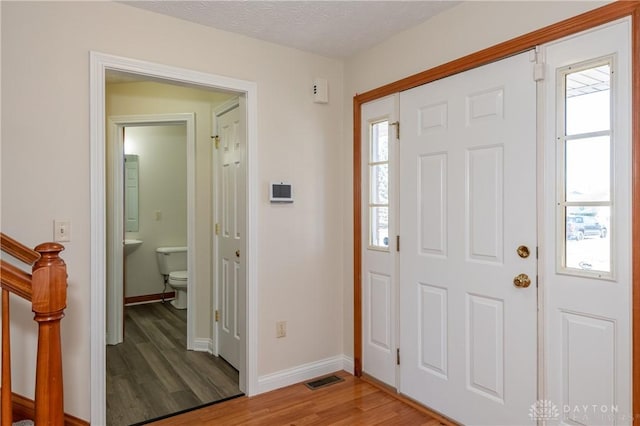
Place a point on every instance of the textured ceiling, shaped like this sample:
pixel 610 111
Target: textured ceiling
pixel 330 28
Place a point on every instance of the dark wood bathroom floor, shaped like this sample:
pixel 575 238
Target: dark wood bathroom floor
pixel 151 374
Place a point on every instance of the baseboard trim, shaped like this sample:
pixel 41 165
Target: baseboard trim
pixel 25 408
pixel 302 373
pixel 148 298
pixel 348 364
pixel 203 345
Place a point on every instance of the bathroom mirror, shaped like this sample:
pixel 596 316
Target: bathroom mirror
pixel 131 165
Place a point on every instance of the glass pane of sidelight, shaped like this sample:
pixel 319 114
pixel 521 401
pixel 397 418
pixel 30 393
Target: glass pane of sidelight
pixel 588 245
pixel 379 180
pixel 379 142
pixel 588 169
pixel 379 220
pixel 588 100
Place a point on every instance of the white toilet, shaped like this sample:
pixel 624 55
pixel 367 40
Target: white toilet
pixel 172 262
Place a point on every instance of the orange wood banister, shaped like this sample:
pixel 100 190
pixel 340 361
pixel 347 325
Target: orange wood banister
pixel 18 250
pixel 46 289
pixel 48 303
pixel 15 280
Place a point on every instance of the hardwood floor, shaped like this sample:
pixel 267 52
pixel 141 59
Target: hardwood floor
pixel 351 402
pixel 151 374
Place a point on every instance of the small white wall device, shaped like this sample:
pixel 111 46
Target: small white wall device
pixel 320 91
pixel 280 192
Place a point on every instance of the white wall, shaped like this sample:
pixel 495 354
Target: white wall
pixel 459 31
pixel 162 178
pixel 45 140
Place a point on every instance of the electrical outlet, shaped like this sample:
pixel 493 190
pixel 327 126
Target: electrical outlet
pixel 281 329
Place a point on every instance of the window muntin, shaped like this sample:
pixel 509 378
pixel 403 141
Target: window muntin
pixel 378 200
pixel 585 143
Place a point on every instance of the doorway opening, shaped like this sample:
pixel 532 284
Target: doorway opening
pixel 101 65
pixel 148 207
pixel 151 369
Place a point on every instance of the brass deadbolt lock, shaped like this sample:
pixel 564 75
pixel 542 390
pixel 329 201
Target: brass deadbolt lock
pixel 523 252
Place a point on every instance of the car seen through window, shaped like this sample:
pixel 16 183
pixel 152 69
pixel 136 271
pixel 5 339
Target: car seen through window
pixel 579 227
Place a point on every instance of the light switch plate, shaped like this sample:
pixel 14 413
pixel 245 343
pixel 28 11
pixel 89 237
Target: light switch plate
pixel 61 231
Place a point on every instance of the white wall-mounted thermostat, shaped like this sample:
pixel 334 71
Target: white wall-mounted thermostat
pixel 280 192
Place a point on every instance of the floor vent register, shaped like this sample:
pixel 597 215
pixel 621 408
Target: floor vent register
pixel 325 381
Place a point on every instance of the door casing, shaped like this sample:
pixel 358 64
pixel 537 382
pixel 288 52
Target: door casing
pixel 528 41
pixel 99 64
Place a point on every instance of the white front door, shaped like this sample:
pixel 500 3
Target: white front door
pixel 467 203
pixel 231 238
pixel 587 228
pixel 378 236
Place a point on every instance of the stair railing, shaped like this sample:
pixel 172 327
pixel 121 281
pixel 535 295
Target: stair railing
pixel 46 288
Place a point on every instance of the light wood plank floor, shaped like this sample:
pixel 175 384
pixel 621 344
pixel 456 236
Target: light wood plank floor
pixel 151 374
pixel 351 402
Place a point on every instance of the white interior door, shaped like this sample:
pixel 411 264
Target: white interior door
pixel 231 238
pixel 467 202
pixel 379 246
pixel 587 232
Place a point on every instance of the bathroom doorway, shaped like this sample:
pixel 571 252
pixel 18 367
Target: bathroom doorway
pixel 155 160
pixel 203 339
pixel 151 203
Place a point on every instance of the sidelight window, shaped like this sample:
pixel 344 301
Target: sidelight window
pixel 585 166
pixel 379 185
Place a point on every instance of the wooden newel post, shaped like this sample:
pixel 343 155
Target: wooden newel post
pixel 49 278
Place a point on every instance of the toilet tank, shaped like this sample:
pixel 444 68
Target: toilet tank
pixel 171 259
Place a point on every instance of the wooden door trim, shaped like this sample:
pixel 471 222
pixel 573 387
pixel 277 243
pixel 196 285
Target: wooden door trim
pixel 585 21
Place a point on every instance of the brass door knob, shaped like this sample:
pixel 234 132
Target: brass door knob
pixel 237 253
pixel 523 252
pixel 522 281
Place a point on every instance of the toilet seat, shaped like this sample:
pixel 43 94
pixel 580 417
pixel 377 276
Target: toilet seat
pixel 178 279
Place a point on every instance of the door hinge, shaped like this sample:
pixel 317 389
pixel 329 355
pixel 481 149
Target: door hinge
pixel 217 229
pixel 536 280
pixel 397 242
pixel 397 356
pixel 217 315
pixel 536 252
pixel 216 141
pixel 397 124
